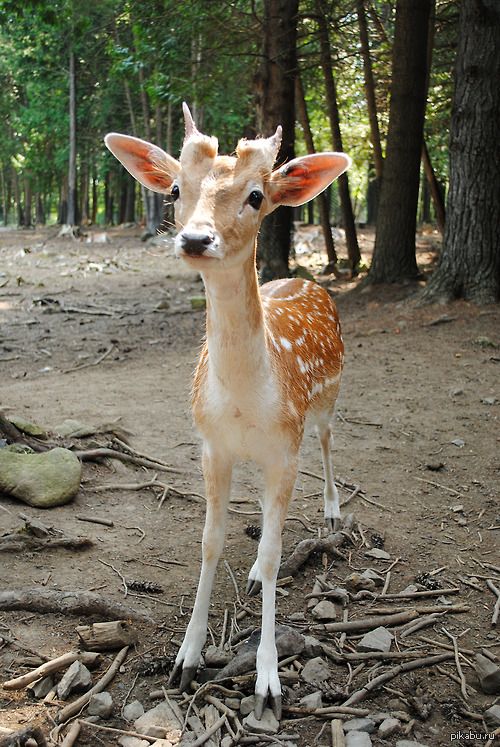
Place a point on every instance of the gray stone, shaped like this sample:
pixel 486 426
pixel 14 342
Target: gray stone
pixel 315 671
pixel 357 739
pixel 378 554
pixel 324 610
pixel 217 657
pixel 160 722
pixel 26 426
pixel 409 743
pixel 313 701
pixel 133 742
pixel 74 429
pixel 489 674
pixel 162 743
pixel 359 724
pixel 77 678
pixel 358 582
pixel 41 688
pixel 388 727
pixel 51 478
pixel 247 705
pixel 379 639
pixel 288 642
pixel 372 575
pixel 313 647
pixel 101 704
pixel 492 716
pixel 268 724
pixel 133 710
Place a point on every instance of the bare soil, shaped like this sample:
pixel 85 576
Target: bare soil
pixel 416 428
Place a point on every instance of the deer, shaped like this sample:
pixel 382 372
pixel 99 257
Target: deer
pixel 271 363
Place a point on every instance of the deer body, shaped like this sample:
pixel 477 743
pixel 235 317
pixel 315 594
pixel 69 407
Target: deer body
pixel 272 360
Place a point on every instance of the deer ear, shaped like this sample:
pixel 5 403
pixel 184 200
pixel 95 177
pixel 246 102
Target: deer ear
pixel 303 178
pixel 150 165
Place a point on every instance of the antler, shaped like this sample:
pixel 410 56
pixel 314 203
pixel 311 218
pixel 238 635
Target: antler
pixel 275 142
pixel 190 126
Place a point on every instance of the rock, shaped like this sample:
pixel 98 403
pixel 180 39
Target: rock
pixel 373 576
pixel 247 705
pixel 313 701
pixel 101 704
pixel 489 675
pixel 288 642
pixel 379 639
pixel 133 742
pixel 268 724
pixel 409 743
pixel 492 716
pixel 315 671
pixel 232 703
pixel 42 480
pixel 77 678
pixel 388 727
pixel 312 647
pixel 359 724
pixel 358 581
pixel 378 554
pixel 324 610
pixel 133 710
pixel 26 426
pixel 217 657
pixel 74 429
pixel 357 739
pixel 160 722
pixel 162 743
pixel 41 688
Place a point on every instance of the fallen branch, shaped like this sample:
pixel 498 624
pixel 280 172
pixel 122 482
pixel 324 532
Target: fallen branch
pixel 72 735
pixel 74 708
pixel 49 667
pixel 419 594
pixel 306 548
pixel 20 738
pixel 101 357
pixel 19 542
pixel 67 603
pixel 110 729
pixel 103 453
pixel 407 666
pixel 496 609
pixel 368 623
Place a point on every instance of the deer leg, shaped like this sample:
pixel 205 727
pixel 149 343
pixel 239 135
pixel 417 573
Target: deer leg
pixel 217 470
pixel 279 488
pixel 332 508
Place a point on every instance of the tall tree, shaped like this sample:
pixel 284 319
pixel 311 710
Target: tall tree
pixel 333 114
pixel 275 88
pixel 394 252
pixel 469 265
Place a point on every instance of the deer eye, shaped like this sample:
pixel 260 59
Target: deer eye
pixel 175 192
pixel 255 199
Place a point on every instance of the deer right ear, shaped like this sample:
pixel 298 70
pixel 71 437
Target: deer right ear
pixel 147 163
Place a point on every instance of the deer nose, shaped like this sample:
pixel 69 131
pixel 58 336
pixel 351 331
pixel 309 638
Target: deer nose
pixel 195 244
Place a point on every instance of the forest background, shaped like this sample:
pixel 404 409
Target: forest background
pixel 410 89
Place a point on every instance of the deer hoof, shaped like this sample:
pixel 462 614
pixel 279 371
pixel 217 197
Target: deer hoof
pixel 253 587
pixel 274 701
pixel 333 525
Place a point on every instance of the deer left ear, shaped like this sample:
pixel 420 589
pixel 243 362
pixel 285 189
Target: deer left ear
pixel 303 178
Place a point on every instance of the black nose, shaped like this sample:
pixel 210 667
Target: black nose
pixel 195 244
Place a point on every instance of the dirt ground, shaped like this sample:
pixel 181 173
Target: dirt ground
pixel 100 329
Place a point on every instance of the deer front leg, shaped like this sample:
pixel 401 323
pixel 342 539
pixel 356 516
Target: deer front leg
pixel 279 487
pixel 217 470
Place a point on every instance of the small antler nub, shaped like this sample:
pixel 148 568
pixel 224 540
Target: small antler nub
pixel 189 124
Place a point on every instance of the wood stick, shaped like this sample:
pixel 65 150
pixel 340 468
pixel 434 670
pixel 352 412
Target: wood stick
pixel 383 678
pixel 110 729
pixel 368 623
pixel 55 665
pixel 421 610
pixel 496 609
pixel 103 453
pixel 420 594
pixel 337 733
pixel 96 520
pixel 463 686
pixel 72 735
pixel 73 708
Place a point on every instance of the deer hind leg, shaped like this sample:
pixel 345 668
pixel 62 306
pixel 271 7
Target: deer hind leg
pixel 217 470
pixel 332 507
pixel 280 481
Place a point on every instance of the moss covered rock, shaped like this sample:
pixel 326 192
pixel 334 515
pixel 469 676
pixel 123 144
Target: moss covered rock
pixel 42 480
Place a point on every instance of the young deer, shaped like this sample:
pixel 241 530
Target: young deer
pixel 272 360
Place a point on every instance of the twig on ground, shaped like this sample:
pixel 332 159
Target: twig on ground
pixel 442 487
pixel 111 730
pixel 49 667
pixel 386 676
pixel 122 578
pixel 72 735
pixel 104 453
pixel 496 609
pixel 419 594
pixel 73 708
pixel 463 685
pixel 93 363
pixel 96 520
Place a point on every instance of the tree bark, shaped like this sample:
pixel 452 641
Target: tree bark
pixel 275 104
pixel 469 265
pixel 394 253
pixel 371 103
pixel 333 113
pixel 321 198
pixel 71 218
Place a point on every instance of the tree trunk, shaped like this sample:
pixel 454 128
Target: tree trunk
pixel 469 265
pixel 333 114
pixel 275 94
pixel 71 218
pixel 17 198
pixel 394 252
pixel 27 202
pixel 371 103
pixel 321 198
pixel 435 190
pixel 39 210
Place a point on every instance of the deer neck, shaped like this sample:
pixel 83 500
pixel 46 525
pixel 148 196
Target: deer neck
pixel 236 336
